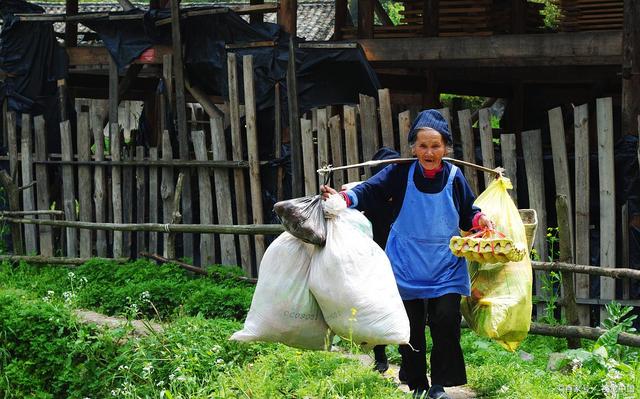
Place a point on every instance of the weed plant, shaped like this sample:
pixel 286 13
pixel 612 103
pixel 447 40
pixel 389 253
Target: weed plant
pixel 115 289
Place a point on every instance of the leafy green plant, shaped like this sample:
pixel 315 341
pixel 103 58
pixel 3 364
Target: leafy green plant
pixel 393 9
pixel 550 283
pixel 553 243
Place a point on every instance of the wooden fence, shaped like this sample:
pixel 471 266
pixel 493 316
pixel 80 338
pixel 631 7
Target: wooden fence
pixel 123 185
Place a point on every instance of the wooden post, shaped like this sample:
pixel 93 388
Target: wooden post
pixel 141 194
pixel 176 218
pixel 153 199
pixel 127 201
pixel 351 142
pixel 606 176
pixel 624 219
pixel 533 165
pixel 223 192
pixel 631 68
pixel 238 174
pixel 518 16
pixel 581 149
pixel 5 111
pixel 252 151
pixel 369 129
pixel 570 308
pixel 68 187
pixel 308 154
pixel 386 119
pixel 365 19
pixel 337 157
pixel 116 171
pixel 207 243
pixel 468 149
pixel 42 185
pixel 323 138
pixel 28 194
pixel 342 11
pixel 100 183
pixel 560 162
pixel 430 18
pixel 181 106
pixel 255 18
pixel 84 181
pixel 13 197
pixel 294 124
pixel 508 147
pixel 12 141
pixel 277 142
pixel 288 16
pixel 167 190
pixel 486 143
pixel 404 125
pixel 71 28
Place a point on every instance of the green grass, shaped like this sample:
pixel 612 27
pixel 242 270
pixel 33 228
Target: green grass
pixel 45 352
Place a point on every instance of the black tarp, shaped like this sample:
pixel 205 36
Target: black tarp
pixel 325 76
pixel 31 57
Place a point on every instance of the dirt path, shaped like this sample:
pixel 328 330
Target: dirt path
pixel 140 328
pixel 455 392
pixel 144 328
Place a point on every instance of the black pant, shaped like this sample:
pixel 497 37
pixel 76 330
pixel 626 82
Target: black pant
pixel 442 314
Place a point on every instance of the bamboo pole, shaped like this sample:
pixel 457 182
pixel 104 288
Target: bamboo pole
pixel 581 332
pixel 36 212
pixel 53 260
pixel 246 229
pixel 584 269
pixel 150 162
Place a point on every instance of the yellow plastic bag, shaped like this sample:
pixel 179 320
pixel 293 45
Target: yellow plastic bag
pixel 500 303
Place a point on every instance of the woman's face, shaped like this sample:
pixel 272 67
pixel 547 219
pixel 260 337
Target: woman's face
pixel 429 148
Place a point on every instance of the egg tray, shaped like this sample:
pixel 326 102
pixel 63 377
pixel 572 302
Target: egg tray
pixel 484 249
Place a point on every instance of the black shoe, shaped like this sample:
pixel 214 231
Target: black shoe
pixel 380 366
pixel 402 376
pixel 437 392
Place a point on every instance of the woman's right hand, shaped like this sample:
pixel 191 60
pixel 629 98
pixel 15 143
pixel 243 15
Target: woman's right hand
pixel 326 191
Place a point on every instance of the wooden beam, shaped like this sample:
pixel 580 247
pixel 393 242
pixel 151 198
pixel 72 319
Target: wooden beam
pixel 288 16
pixel 430 18
pixel 180 110
pixel 518 15
pixel 580 48
pixel 294 124
pixel 340 21
pixel 100 56
pixel 365 19
pixel 71 28
pixel 631 68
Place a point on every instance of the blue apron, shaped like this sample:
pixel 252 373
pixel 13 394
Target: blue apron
pixel 418 244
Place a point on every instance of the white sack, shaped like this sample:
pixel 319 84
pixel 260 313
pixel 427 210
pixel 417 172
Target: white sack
pixel 283 309
pixel 352 280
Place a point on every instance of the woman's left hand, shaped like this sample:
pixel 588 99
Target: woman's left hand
pixel 484 221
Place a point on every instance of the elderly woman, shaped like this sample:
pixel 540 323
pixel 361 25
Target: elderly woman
pixel 432 201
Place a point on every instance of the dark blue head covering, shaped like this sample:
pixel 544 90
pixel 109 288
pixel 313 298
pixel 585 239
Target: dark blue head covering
pixel 433 119
pixel 383 153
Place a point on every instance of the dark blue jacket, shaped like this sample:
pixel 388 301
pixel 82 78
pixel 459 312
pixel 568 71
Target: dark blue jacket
pixel 391 182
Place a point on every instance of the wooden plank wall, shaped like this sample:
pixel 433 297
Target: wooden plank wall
pixel 330 135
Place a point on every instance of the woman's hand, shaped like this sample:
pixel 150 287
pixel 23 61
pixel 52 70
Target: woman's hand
pixel 484 221
pixel 326 191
